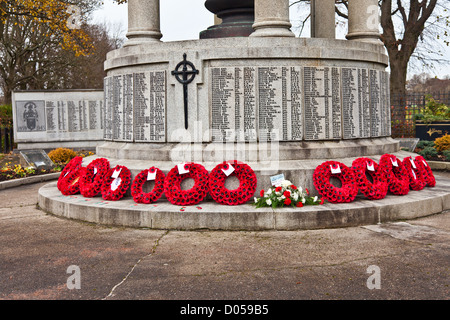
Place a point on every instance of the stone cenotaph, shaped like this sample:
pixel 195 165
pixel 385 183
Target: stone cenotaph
pixel 246 90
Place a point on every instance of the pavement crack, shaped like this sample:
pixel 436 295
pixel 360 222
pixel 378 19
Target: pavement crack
pixel 155 246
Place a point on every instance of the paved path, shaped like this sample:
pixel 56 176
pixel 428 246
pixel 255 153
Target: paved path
pixel 405 260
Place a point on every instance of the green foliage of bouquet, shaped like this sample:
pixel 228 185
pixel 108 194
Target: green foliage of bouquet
pixel 286 194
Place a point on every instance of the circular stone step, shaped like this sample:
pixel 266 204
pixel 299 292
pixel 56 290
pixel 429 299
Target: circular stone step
pixel 210 215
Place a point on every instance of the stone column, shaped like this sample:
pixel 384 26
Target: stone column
pixel 143 21
pixel 272 19
pixel 364 21
pixel 323 24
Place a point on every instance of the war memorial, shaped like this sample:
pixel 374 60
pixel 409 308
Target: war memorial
pixel 250 96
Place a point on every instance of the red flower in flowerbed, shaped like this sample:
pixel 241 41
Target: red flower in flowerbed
pixel 247 183
pixel 321 180
pixel 427 173
pixel 116 183
pixel 372 190
pixel 70 168
pixel 397 175
pixel 172 185
pixel 139 196
pixel 416 179
pixel 92 179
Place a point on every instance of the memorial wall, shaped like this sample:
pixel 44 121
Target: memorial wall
pixel 298 103
pixel 58 118
pixel 289 103
pixel 251 103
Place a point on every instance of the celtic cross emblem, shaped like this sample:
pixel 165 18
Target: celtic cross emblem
pixel 185 76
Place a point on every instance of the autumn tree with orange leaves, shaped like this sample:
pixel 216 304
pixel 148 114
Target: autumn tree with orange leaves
pixel 32 35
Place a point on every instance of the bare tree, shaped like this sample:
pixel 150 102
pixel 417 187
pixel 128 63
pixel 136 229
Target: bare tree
pixel 412 31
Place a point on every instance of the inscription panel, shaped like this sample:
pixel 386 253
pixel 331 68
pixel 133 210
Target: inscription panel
pixel 53 116
pixel 355 103
pixel 322 103
pixel 135 107
pixel 256 102
pixel 375 104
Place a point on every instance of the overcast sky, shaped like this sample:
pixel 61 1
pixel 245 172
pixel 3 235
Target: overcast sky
pixel 184 19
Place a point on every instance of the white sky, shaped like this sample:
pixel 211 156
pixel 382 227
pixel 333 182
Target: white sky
pixel 184 19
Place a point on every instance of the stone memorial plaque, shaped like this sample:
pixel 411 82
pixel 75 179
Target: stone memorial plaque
pixel 58 118
pixel 280 114
pixel 51 110
pixel 270 109
pixel 37 159
pixel 95 115
pixel 322 103
pixel 157 118
pixel 350 103
pixel 62 116
pixel 385 104
pixel 223 96
pixel 108 120
pixel 127 111
pixel 233 104
pixel 247 113
pixel 84 115
pixel 117 107
pixel 375 103
pixel 141 106
pixel 30 116
pixel 256 102
pixel 150 106
pixel 355 103
pixel 364 103
pixel 73 113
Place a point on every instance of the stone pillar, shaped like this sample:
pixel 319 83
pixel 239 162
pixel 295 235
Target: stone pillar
pixel 364 21
pixel 272 19
pixel 323 24
pixel 143 21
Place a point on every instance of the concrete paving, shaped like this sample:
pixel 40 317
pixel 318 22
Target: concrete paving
pixel 404 260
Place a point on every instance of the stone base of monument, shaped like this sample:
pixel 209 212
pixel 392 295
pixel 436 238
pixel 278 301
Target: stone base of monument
pixel 211 215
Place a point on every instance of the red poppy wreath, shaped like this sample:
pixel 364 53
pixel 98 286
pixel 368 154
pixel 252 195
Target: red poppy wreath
pixel 71 167
pixel 139 196
pixel 428 175
pixel 397 176
pixel 416 179
pixel 92 179
pixel 372 190
pixel 247 183
pixel 116 183
pixel 321 179
pixel 172 184
pixel 71 184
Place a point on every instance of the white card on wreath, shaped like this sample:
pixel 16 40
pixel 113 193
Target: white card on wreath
pixel 335 168
pixel 394 163
pixel 412 163
pixel 116 173
pixel 115 184
pixel 371 166
pixel 182 168
pixel 276 180
pixel 229 170
pixel 95 171
pixel 151 175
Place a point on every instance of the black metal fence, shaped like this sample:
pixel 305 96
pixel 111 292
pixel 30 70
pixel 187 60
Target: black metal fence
pixel 405 107
pixel 6 140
